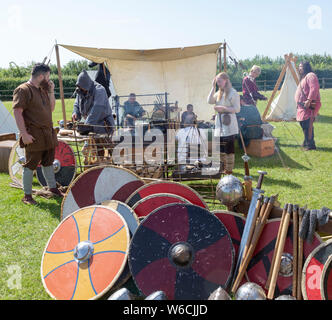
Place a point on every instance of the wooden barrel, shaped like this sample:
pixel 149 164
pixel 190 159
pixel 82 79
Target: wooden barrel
pixel 5 148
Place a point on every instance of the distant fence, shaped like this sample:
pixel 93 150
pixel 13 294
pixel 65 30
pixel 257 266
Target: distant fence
pixel 6 95
pixel 268 85
pixel 263 85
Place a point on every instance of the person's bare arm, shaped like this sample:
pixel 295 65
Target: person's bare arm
pixel 51 95
pixel 220 109
pixel 26 137
pixel 211 99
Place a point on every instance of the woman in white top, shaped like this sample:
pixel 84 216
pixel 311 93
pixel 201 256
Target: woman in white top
pixel 226 103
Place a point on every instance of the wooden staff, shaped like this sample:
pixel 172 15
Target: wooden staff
pixel 279 249
pixel 62 96
pixel 299 258
pixel 247 186
pixel 225 58
pixel 284 212
pixel 257 233
pixel 258 210
pixel 295 248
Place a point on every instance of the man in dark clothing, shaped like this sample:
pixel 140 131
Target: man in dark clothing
pixel 93 109
pixel 103 76
pixel 33 104
pixel 189 112
pixel 132 111
pixel 91 105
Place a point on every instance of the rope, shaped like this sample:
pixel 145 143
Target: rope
pixel 305 155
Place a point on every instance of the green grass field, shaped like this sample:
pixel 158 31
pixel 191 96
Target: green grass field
pixel 24 230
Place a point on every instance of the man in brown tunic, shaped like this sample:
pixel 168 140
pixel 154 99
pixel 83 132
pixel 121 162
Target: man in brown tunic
pixel 33 104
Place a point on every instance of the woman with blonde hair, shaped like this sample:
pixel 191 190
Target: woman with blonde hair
pixel 226 103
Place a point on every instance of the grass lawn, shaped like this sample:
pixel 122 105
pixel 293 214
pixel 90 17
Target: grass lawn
pixel 24 230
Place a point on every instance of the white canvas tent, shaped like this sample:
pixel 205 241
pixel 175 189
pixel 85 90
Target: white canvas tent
pixel 7 121
pixel 283 106
pixel 185 73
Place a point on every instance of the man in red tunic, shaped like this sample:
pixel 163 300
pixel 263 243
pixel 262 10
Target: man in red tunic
pixel 308 102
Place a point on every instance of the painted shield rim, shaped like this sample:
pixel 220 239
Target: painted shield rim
pixel 307 261
pixel 10 160
pixel 278 220
pixel 119 283
pixel 235 214
pixel 327 266
pixel 190 205
pixel 103 292
pixel 157 195
pixel 105 203
pixel 86 172
pixel 75 164
pixel 174 183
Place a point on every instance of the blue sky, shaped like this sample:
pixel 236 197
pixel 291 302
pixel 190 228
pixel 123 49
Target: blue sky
pixel 28 29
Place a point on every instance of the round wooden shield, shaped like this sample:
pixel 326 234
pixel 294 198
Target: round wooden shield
pixel 167 187
pixel 99 184
pixel 146 205
pixel 86 254
pixel 132 221
pixel 182 250
pixel 15 162
pixel 312 271
pixel 234 223
pixel 326 282
pixel 259 266
pixel 127 213
pixel 64 166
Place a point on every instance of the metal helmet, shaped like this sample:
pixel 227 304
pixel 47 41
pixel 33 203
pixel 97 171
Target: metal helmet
pixel 157 295
pixel 250 291
pixel 122 294
pixel 285 297
pixel 219 294
pixel 229 190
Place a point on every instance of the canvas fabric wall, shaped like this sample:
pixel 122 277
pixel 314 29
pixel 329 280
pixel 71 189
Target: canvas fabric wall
pixel 283 107
pixel 185 73
pixel 7 121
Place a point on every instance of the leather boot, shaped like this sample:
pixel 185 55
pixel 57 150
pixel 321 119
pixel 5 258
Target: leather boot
pixel 229 163
pixel 27 199
pixel 222 161
pixel 56 192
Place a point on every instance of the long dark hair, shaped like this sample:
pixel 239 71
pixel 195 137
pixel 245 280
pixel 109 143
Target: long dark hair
pixel 306 68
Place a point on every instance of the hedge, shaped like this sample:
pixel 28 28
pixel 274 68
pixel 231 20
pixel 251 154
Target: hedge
pixel 270 73
pixel 8 85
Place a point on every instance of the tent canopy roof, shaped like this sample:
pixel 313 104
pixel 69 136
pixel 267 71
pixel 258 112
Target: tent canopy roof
pixel 184 73
pixel 100 55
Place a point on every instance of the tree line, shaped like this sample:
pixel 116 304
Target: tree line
pixel 12 76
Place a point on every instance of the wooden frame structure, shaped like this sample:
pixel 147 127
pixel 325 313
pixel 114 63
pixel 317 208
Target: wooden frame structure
pixel 289 58
pixel 222 52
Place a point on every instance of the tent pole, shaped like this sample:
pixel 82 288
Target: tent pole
pixel 292 69
pixel 296 67
pixel 62 96
pixel 225 58
pixel 219 58
pixel 282 73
